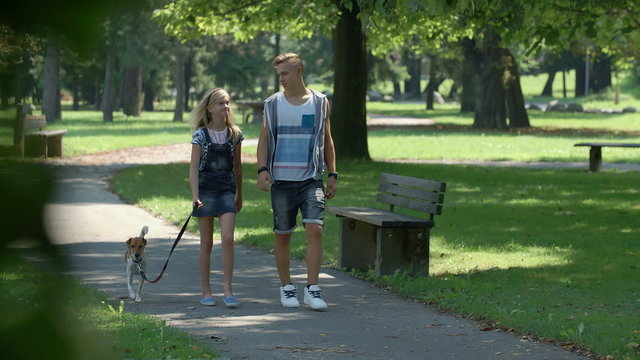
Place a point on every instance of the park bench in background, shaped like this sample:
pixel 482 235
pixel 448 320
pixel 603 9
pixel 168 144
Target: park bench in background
pixel 29 137
pixel 387 241
pixel 595 152
pixel 256 107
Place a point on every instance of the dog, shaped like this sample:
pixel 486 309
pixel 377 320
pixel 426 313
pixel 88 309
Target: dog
pixel 135 256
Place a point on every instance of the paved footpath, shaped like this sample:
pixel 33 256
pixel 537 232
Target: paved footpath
pixel 363 322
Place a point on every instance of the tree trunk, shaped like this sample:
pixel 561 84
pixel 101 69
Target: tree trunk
pixel 131 90
pixel 188 73
pixel 470 73
pixel 433 84
pixel 516 111
pixel 276 51
pixel 548 86
pixel 580 83
pixel 601 76
pixel 178 77
pixel 348 120
pixel 149 91
pixel 108 89
pixel 397 92
pixel 76 92
pixel 491 109
pixel 51 96
pixel 412 85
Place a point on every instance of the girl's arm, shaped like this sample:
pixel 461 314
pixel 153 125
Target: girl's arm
pixel 193 173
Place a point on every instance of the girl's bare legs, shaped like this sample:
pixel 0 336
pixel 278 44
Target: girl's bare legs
pixel 227 225
pixel 206 244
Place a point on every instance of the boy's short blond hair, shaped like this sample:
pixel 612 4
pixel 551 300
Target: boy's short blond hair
pixel 291 57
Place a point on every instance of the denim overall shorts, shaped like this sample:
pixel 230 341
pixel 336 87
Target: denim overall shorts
pixel 216 179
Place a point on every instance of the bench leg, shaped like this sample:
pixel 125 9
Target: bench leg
pixel 35 146
pixel 402 249
pixel 595 158
pixel 357 245
pixel 54 146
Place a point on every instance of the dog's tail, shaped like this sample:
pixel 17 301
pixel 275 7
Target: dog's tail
pixel 144 231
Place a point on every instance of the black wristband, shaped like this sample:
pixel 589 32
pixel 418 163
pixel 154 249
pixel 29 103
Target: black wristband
pixel 334 174
pixel 264 168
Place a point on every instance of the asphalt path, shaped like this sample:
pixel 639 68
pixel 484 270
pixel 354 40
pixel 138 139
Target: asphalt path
pixel 90 224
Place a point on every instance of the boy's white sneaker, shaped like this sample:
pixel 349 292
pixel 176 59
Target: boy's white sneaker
pixel 288 296
pixel 313 297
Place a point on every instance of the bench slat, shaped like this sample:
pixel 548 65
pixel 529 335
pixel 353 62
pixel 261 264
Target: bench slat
pixel 431 185
pixel 435 209
pixel 411 193
pixel 609 144
pixel 380 217
pixel 47 133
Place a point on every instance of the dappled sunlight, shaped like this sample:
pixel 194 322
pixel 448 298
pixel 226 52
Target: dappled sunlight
pixel 452 261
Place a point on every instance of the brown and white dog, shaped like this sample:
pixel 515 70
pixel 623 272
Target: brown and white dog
pixel 135 256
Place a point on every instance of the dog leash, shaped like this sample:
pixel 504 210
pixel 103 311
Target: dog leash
pixel 175 243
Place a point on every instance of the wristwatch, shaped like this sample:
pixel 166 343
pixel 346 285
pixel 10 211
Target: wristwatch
pixel 334 174
pixel 264 168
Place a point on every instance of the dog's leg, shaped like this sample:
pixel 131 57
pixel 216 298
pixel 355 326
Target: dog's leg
pixel 132 293
pixel 140 285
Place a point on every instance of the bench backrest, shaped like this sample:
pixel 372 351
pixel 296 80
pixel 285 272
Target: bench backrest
pixel 412 193
pixel 24 123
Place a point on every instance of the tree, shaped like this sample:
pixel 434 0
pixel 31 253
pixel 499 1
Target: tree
pixel 190 19
pixel 51 107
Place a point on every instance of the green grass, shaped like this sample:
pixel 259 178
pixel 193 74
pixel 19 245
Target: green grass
pixel 48 316
pixel 541 252
pixel 87 133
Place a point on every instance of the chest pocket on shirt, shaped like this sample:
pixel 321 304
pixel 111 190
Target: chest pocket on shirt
pixel 308 120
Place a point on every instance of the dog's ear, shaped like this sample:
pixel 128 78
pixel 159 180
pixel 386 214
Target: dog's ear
pixel 128 242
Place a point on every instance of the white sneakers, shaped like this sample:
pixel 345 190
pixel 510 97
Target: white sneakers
pixel 312 297
pixel 288 296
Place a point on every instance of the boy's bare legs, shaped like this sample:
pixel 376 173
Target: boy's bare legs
pixel 314 252
pixel 281 252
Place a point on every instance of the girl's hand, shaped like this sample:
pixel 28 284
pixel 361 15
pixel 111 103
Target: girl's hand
pixel 197 204
pixel 238 204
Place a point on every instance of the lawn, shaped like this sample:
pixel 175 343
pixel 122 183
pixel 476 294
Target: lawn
pixel 47 316
pixel 550 253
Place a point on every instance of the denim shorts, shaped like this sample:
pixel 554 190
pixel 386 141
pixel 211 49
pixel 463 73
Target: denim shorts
pixel 215 204
pixel 289 196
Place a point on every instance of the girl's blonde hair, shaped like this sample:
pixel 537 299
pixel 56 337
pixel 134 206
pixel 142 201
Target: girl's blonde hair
pixel 200 116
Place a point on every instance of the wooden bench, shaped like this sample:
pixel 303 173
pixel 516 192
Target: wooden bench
pixel 595 152
pixel 29 137
pixel 387 241
pixel 256 107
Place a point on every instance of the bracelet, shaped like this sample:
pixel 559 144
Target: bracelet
pixel 334 174
pixel 264 168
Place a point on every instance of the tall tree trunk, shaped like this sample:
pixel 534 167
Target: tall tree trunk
pixel 276 51
pixel 412 85
pixel 580 83
pixel 548 86
pixel 178 76
pixel 51 96
pixel 601 79
pixel 516 111
pixel 149 91
pixel 131 90
pixel 188 73
pixel 348 120
pixel 108 89
pixel 491 109
pixel 470 73
pixel 434 82
pixel 75 88
pixel 397 92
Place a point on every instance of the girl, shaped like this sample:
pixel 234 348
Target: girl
pixel 215 176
